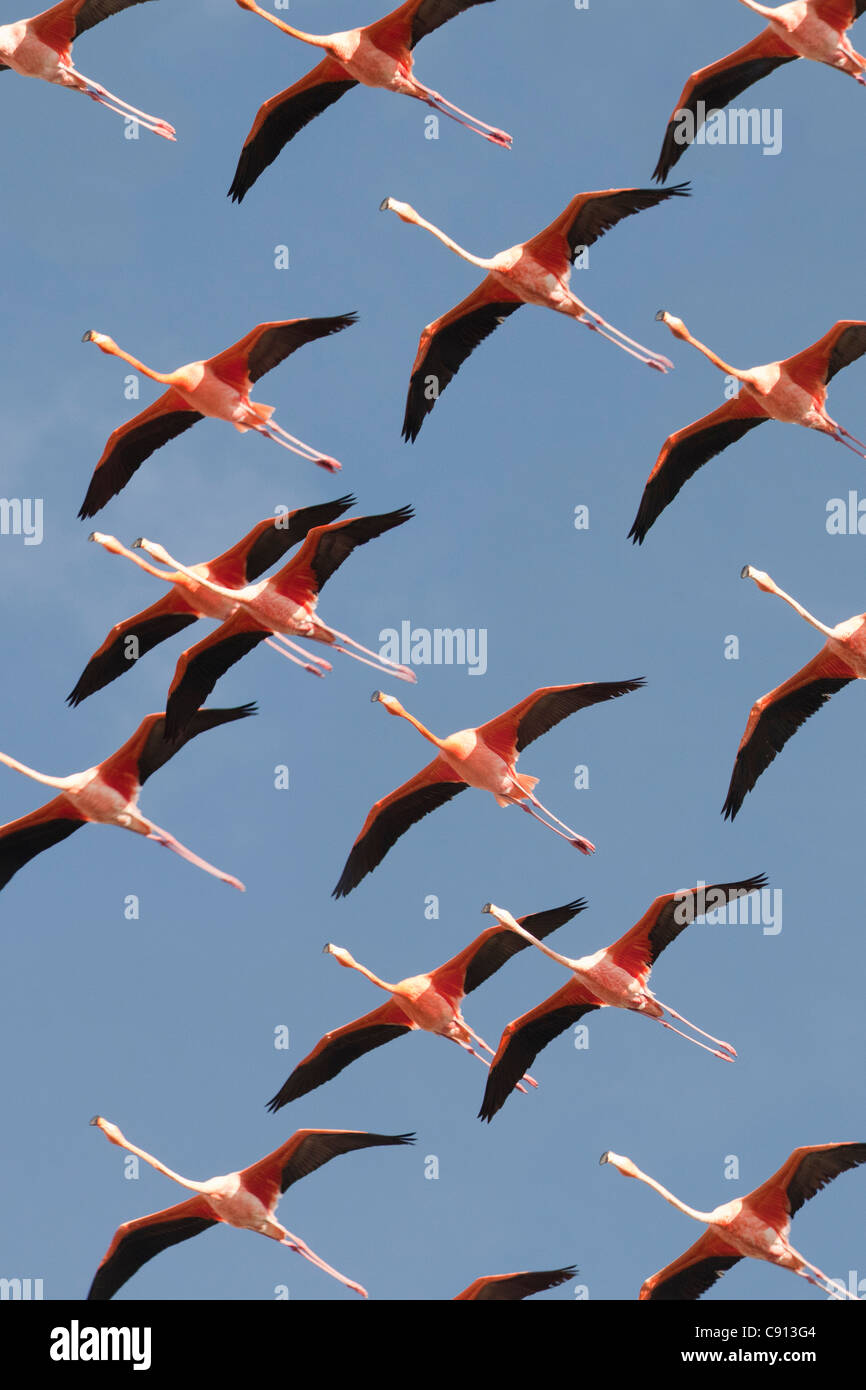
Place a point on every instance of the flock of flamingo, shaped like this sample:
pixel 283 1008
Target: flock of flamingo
pixel 308 545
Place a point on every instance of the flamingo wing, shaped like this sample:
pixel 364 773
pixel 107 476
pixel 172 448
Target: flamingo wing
pixel 339 1048
pixel 307 1150
pixel 428 15
pixel 500 1287
pixel 21 840
pixel 63 23
pixel 447 342
pixel 136 1242
pixel 777 716
pixel 838 13
pixel 391 817
pixel 200 667
pixel 716 86
pixel 326 547
pixel 268 344
pixel 279 120
pixel 639 949
pixel 269 540
pixel 816 366
pixel 589 215
pixel 524 1038
pixel 148 749
pixel 495 946
pixel 130 444
pixel 802 1176
pixel 688 450
pixel 509 733
pixel 148 628
pixel 693 1273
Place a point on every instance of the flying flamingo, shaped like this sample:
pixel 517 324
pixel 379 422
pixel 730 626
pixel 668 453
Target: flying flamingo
pixel 756 1225
pixel 108 795
pixel 511 1287
pixel 260 548
pixel 616 976
pixel 533 272
pixel 42 47
pixel 777 716
pixel 247 1199
pixel 793 390
pixel 432 1002
pixel 378 55
pixel 218 387
pixel 274 607
pixel 486 758
pixel 815 29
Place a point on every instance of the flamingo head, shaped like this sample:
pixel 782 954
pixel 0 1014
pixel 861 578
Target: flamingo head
pixel 339 954
pixel 392 706
pixel 503 917
pixel 403 210
pixel 676 325
pixel 101 340
pixel 110 1131
pixel 762 580
pixel 623 1165
pixel 107 543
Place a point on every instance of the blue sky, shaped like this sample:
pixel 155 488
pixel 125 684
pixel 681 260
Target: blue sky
pixel 165 1024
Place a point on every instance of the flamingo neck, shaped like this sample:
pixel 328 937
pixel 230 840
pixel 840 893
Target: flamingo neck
pixel 318 40
pixel 187 577
pixel 424 732
pixel 704 1216
pixel 165 378
pixel 803 612
pixel 453 245
pixel 713 356
pixel 514 926
pixel 124 1143
pixel 61 782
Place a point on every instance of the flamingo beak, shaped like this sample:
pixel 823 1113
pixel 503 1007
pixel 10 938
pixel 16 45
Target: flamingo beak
pixel 375 697
pixel 89 337
pixel 605 1158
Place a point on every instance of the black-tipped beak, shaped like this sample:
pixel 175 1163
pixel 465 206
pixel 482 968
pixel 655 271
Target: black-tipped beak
pixel 660 316
pixel 377 695
pixel 744 572
pixel 92 537
pixel 326 948
pixel 88 338
pixel 136 544
pixel 488 907
pixel 96 1119
pixel 383 206
pixel 605 1158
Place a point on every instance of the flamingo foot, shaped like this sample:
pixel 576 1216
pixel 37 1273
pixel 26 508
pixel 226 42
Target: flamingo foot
pixel 585 846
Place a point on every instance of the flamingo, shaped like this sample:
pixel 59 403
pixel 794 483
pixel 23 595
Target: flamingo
pixel 432 1001
pixel 616 976
pixel 511 1287
pixel 378 55
pixel 815 29
pixel 260 548
pixel 793 390
pixel 486 758
pixel 533 272
pixel 756 1225
pixel 777 716
pixel 42 47
pixel 108 794
pixel 247 1199
pixel 218 387
pixel 283 604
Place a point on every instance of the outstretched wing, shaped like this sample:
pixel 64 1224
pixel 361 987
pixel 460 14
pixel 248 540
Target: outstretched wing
pixel 325 549
pixel 845 342
pixel 268 344
pixel 716 86
pixel 391 817
pixel 339 1048
pixel 21 840
pixel 509 733
pixel 63 23
pixel 688 450
pixel 495 946
pixel 639 949
pixel 148 628
pixel 589 215
pixel 280 119
pixel 523 1039
pixel 447 342
pixel 776 717
pixel 148 749
pixel 801 1177
pixel 130 444
pixel 307 1150
pixel 136 1242
pixel 200 667
pixel 269 540
pixel 693 1273
pixel 499 1287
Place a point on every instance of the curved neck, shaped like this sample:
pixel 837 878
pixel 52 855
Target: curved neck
pixel 424 732
pixel 353 964
pixel 705 1216
pixel 61 782
pixel 452 245
pixel 114 547
pixel 123 1143
pixel 182 571
pixel 165 378
pixel 803 612
pixel 712 356
pixel 507 921
pixel 317 40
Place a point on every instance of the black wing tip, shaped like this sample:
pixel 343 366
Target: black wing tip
pixel 277 1102
pixel 733 803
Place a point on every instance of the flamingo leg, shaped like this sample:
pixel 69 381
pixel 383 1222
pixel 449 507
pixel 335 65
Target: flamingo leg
pixel 301 1248
pixel 673 1013
pixel 293 646
pixel 162 837
pixel 306 665
pixel 842 436
pixel 97 92
pixel 380 663
pixel 831 1286
pixel 722 1056
pixel 576 841
pixel 455 113
pixel 278 435
pixel 597 324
